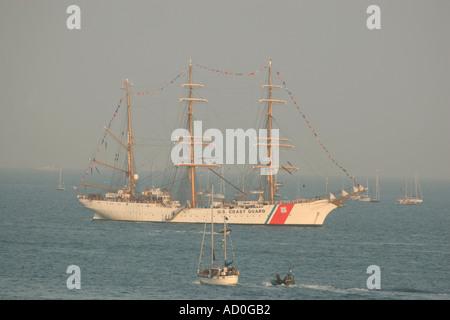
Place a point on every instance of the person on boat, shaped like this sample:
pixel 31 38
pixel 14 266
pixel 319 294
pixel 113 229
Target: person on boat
pixel 278 279
pixel 205 272
pixel 289 279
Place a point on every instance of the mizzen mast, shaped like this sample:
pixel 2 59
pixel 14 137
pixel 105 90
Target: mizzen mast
pixel 192 164
pixel 270 141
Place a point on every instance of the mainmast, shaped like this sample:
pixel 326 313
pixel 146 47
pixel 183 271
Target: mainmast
pixel 270 140
pixel 130 143
pixel 192 164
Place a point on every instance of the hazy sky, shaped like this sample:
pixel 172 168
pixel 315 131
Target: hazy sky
pixel 379 97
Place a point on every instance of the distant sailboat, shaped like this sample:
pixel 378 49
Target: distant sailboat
pixel 406 199
pixel 61 186
pixel 213 274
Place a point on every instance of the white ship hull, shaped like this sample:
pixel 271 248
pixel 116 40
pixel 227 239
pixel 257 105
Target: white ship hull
pixel 311 213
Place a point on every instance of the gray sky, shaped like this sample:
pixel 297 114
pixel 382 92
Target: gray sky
pixel 379 98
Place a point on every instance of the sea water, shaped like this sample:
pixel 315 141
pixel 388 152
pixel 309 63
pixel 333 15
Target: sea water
pixel 44 231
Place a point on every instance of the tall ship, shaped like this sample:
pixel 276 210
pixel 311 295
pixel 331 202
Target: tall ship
pixel 179 196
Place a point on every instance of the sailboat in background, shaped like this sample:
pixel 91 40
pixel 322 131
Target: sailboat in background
pixel 405 199
pixel 61 186
pixel 213 274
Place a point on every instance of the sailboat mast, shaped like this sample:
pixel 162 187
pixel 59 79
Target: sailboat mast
pixel 377 189
pixel 212 228
pixel 406 188
pixel 225 239
pixel 130 143
pixel 415 180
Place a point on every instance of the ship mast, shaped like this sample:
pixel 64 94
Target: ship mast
pixel 270 141
pixel 128 147
pixel 130 143
pixel 269 127
pixel 192 164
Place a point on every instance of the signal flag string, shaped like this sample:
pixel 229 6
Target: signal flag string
pixel 143 93
pixel 314 131
pixel 89 169
pixel 227 73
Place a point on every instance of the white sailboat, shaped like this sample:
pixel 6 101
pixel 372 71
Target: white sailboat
pixel 213 273
pixel 61 186
pixel 406 199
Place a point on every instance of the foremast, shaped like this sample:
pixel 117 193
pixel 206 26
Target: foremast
pixel 128 147
pixel 193 140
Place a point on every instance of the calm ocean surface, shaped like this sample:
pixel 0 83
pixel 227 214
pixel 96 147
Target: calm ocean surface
pixel 43 231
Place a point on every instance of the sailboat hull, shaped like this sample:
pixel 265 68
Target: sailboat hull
pixel 311 213
pixel 228 280
pixel 406 201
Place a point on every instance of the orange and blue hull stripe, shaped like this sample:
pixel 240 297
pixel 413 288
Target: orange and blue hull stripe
pixel 279 213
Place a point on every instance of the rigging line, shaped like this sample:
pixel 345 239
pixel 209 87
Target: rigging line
pixel 227 181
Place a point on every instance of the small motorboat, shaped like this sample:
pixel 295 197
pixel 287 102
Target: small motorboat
pixel 287 281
